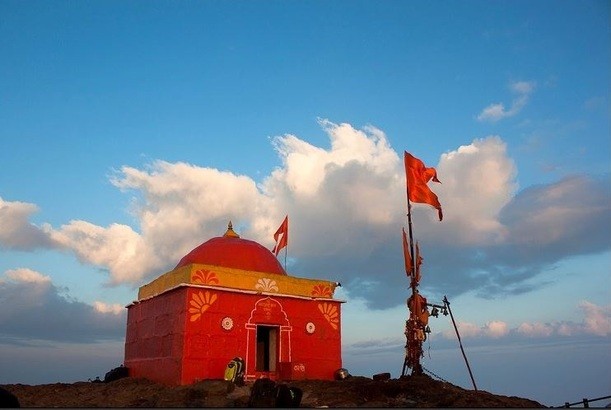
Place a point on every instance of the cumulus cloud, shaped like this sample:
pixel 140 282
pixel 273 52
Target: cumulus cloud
pixel 26 275
pixel 117 247
pixel 346 206
pixel 115 308
pixel 329 194
pixel 34 308
pixel 16 230
pixel 497 111
pixel 478 181
pixel 535 329
pixel 597 318
pixel 542 225
pixel 178 206
pixel 346 197
pixel 596 321
pixel 494 329
pixel 466 329
pixel 347 225
pixel 538 227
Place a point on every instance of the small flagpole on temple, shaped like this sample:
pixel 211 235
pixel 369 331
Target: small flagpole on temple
pixel 286 250
pixel 282 240
pixel 286 234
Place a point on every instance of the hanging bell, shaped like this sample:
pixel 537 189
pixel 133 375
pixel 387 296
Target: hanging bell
pixel 427 329
pixel 435 312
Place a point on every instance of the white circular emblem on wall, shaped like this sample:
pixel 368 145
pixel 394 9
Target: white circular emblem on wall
pixel 227 323
pixel 310 328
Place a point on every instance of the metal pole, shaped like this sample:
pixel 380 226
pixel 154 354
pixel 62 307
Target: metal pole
pixel 409 336
pixel 405 359
pixel 286 248
pixel 447 303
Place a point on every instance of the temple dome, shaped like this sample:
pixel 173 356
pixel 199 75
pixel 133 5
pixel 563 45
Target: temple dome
pixel 231 251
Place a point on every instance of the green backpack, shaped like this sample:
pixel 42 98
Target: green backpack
pixel 234 372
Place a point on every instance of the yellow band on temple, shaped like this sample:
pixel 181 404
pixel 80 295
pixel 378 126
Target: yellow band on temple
pixel 210 275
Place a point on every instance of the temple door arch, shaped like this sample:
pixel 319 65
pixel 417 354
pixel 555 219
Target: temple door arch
pixel 268 339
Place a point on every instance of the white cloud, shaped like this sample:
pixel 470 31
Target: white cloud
pixel 535 329
pixel 334 196
pixel 102 307
pixel 465 329
pixel 597 319
pixel 478 181
pixel 574 211
pixel 493 112
pixel 117 247
pixel 497 111
pixel 496 329
pixel 180 205
pixel 522 87
pixel 16 231
pixel 566 329
pixel 34 308
pixel 26 275
pixel 306 167
pixel 346 207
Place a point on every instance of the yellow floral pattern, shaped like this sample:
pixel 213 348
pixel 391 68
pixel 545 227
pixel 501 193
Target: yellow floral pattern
pixel 200 302
pixel 267 285
pixel 205 277
pixel 330 313
pixel 322 291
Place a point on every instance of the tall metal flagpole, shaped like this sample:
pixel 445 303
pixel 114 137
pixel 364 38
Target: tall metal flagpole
pixel 409 226
pixel 412 281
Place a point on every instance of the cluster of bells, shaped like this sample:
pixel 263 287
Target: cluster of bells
pixel 435 313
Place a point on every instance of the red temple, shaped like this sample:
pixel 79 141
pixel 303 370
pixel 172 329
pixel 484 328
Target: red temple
pixel 231 297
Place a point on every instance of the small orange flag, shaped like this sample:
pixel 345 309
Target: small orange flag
pixel 417 176
pixel 409 267
pixel 284 239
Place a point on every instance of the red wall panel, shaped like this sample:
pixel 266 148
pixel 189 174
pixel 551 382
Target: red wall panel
pixel 178 337
pixel 154 342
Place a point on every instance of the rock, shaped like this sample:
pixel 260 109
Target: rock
pixel 8 399
pixel 381 377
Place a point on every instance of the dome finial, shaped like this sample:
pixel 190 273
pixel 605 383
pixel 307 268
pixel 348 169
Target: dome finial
pixel 230 232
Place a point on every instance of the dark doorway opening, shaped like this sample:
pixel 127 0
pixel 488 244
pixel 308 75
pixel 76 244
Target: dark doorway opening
pixel 267 348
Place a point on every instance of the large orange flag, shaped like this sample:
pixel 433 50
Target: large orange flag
pixel 284 239
pixel 409 267
pixel 418 176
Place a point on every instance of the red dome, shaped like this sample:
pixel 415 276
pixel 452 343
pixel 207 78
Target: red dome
pixel 231 251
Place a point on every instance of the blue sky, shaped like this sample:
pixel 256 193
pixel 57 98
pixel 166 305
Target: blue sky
pixel 132 131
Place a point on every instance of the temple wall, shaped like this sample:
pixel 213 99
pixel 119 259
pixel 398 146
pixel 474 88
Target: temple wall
pixel 191 333
pixel 154 342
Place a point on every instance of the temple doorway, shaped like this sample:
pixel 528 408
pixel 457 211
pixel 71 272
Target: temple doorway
pixel 267 348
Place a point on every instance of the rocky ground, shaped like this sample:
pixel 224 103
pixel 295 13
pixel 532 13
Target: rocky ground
pixel 411 391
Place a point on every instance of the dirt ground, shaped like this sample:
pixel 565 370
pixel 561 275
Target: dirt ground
pixel 357 391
